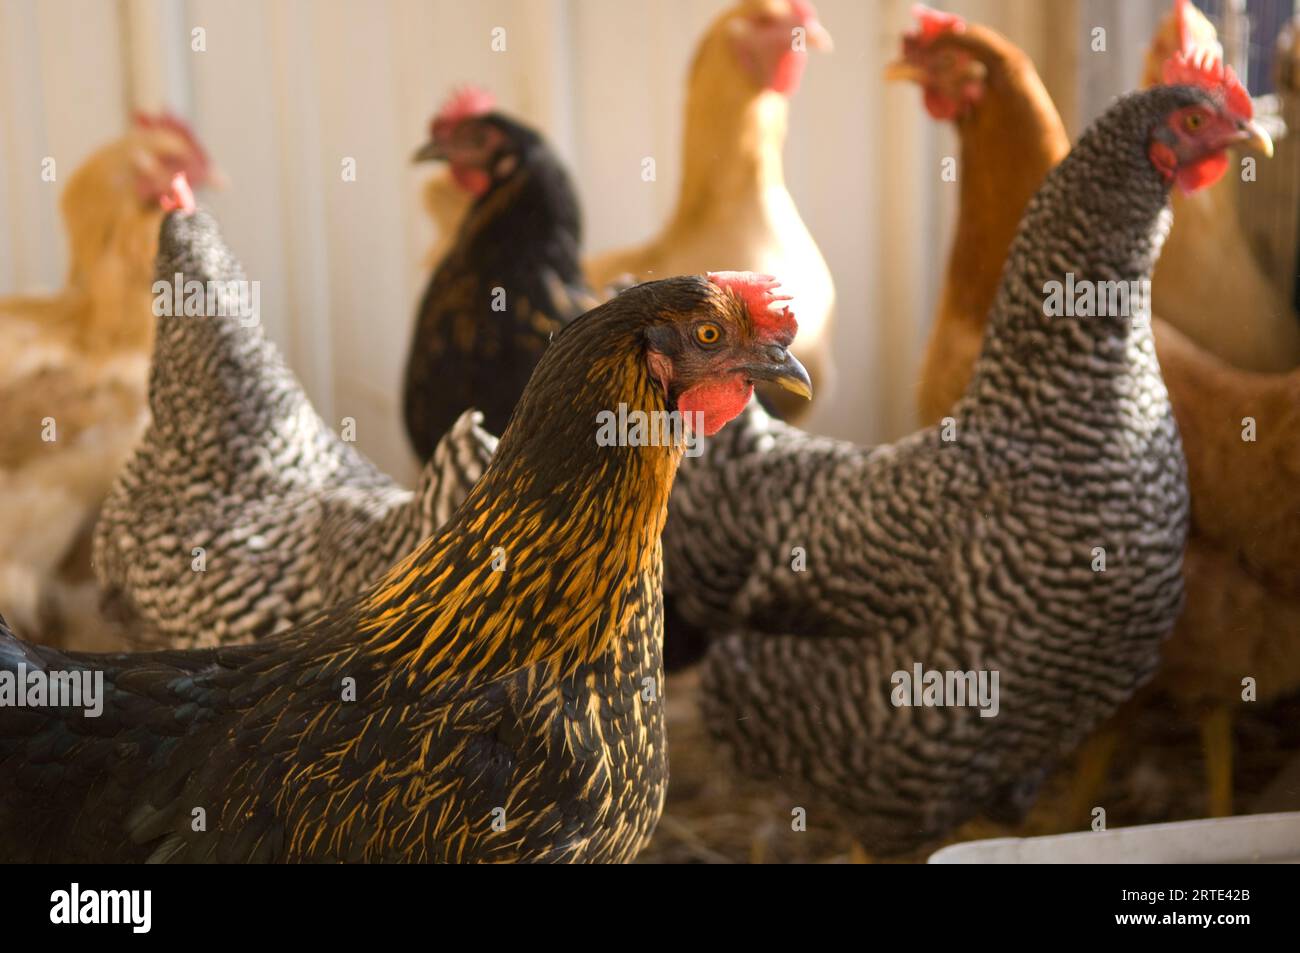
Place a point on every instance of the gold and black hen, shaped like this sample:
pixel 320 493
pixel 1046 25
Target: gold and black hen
pixel 497 696
pixel 510 280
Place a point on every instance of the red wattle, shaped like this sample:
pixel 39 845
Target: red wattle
pixel 788 72
pixel 719 401
pixel 474 181
pixel 1202 174
pixel 179 196
pixel 940 107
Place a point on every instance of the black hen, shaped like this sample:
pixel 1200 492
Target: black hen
pixel 496 696
pixel 510 280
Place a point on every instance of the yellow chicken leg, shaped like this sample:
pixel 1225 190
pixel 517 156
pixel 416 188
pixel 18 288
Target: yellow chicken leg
pixel 858 854
pixel 1091 768
pixel 1216 742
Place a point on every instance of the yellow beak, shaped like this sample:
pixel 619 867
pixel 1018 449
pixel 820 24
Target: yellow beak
pixel 1254 134
pixel 903 71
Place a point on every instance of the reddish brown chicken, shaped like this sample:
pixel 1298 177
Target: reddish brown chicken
pixel 1011 137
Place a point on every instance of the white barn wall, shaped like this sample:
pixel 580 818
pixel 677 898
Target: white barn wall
pixel 286 89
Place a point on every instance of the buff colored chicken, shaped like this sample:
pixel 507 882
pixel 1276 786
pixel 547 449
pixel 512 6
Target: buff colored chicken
pixel 1208 283
pixel 1241 435
pixel 733 210
pixel 1240 429
pixel 73 378
pixel 1271 216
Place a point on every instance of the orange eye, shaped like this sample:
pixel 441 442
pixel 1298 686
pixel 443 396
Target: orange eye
pixel 1193 122
pixel 708 334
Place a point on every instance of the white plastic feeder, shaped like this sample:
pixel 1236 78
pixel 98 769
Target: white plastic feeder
pixel 1252 839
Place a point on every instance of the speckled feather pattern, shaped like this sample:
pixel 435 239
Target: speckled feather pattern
pixel 973 554
pixel 236 462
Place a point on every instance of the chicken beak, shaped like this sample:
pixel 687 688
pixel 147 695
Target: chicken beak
pixel 782 368
pixel 903 71
pixel 1253 134
pixel 431 151
pixel 818 37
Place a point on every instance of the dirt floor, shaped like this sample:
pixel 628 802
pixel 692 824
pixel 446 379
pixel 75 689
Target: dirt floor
pixel 1157 775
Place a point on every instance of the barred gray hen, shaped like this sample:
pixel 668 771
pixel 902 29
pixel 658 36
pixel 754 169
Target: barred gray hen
pixel 239 475
pixel 982 553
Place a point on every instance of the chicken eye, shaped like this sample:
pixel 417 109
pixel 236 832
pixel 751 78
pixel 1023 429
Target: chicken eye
pixel 708 334
pixel 1193 122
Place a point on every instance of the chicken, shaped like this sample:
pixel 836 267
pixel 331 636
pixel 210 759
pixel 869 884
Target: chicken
pixel 509 282
pixel 1037 538
pixel 989 88
pixel 1241 431
pixel 73 378
pixel 492 698
pixel 1269 213
pixel 241 512
pixel 1245 527
pixel 733 210
pixel 1207 269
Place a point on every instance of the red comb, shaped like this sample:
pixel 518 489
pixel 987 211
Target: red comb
pixel 760 298
pixel 162 120
pixel 465 102
pixel 178 196
pixel 201 166
pixel 165 120
pixel 932 23
pixel 1200 67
